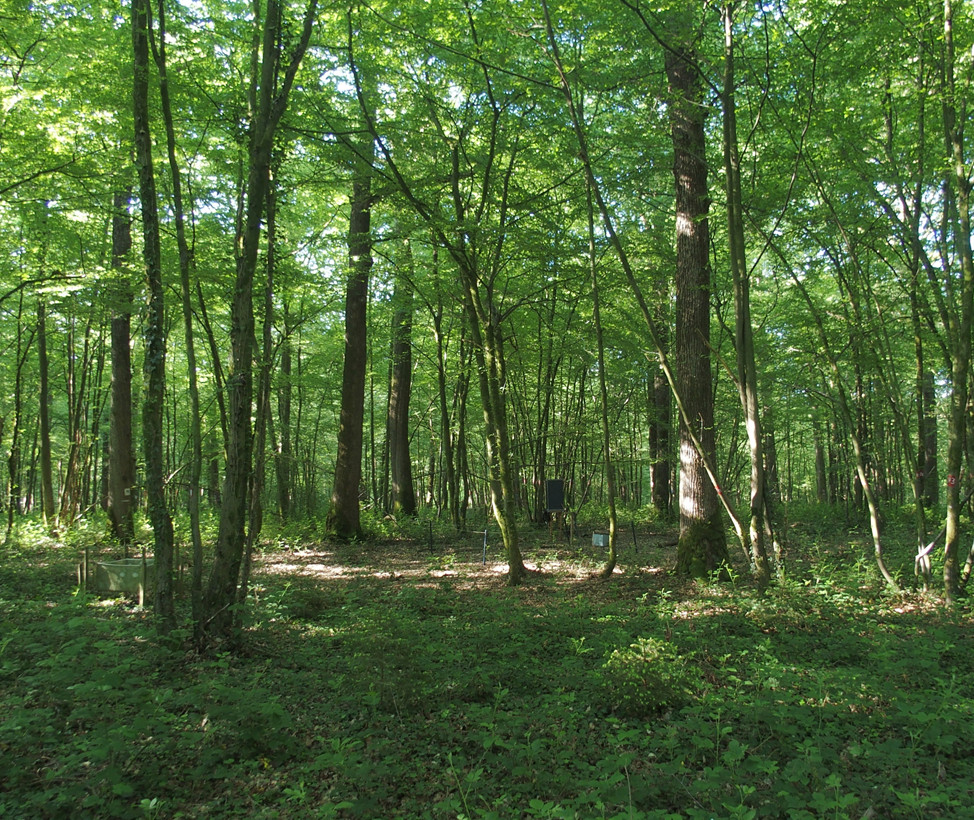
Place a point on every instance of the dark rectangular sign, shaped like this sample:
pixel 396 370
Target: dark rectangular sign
pixel 555 493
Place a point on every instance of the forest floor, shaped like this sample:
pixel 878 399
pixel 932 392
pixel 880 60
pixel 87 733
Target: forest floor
pixel 402 678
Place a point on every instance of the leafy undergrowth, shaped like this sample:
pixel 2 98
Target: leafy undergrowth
pixel 369 685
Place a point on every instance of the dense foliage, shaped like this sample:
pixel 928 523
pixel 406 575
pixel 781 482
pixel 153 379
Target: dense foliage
pixel 292 280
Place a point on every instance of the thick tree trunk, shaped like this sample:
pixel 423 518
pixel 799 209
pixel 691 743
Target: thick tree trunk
pixel 702 546
pixel 344 520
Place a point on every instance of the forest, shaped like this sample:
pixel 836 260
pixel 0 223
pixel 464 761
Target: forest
pixel 571 397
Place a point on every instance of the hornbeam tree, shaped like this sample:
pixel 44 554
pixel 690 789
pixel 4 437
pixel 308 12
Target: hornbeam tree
pixel 271 85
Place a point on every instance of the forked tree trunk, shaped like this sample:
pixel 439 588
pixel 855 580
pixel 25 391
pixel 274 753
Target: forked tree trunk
pixel 490 372
pixel 270 95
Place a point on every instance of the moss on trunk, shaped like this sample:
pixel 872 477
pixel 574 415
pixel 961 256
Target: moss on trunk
pixel 702 548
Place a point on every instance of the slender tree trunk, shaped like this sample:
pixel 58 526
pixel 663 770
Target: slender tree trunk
pixel 446 432
pixel 610 469
pixel 71 484
pixel 121 467
pixel 660 426
pixel 195 470
pixel 155 326
pixel 263 410
pixel 271 90
pixel 760 522
pixel 961 316
pixel 283 454
pixel 403 496
pixel 44 418
pixel 14 502
pixel 344 515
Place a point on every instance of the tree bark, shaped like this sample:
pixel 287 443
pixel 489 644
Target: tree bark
pixel 402 499
pixel 271 91
pixel 195 470
pixel 962 315
pixel 344 517
pixel 154 366
pixel 702 547
pixel 759 520
pixel 48 508
pixel 121 452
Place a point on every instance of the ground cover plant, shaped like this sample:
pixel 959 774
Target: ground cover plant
pixel 388 679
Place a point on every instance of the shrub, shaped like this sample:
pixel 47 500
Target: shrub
pixel 646 678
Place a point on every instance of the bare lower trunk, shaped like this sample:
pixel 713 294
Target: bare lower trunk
pixel 154 366
pixel 344 520
pixel 702 547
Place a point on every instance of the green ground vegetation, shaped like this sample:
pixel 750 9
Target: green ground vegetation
pixel 388 680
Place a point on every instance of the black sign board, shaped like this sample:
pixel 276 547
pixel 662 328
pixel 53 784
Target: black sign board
pixel 555 494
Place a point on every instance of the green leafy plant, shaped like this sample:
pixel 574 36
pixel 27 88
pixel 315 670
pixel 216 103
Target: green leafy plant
pixel 647 677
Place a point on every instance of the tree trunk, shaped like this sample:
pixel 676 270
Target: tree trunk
pixel 702 547
pixel 446 432
pixel 610 478
pixel 490 372
pixel 402 495
pixel 155 326
pixel 48 509
pixel 760 522
pixel 962 315
pixel 14 503
pixel 660 425
pixel 344 516
pixel 195 471
pixel 271 91
pixel 121 451
pixel 283 454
